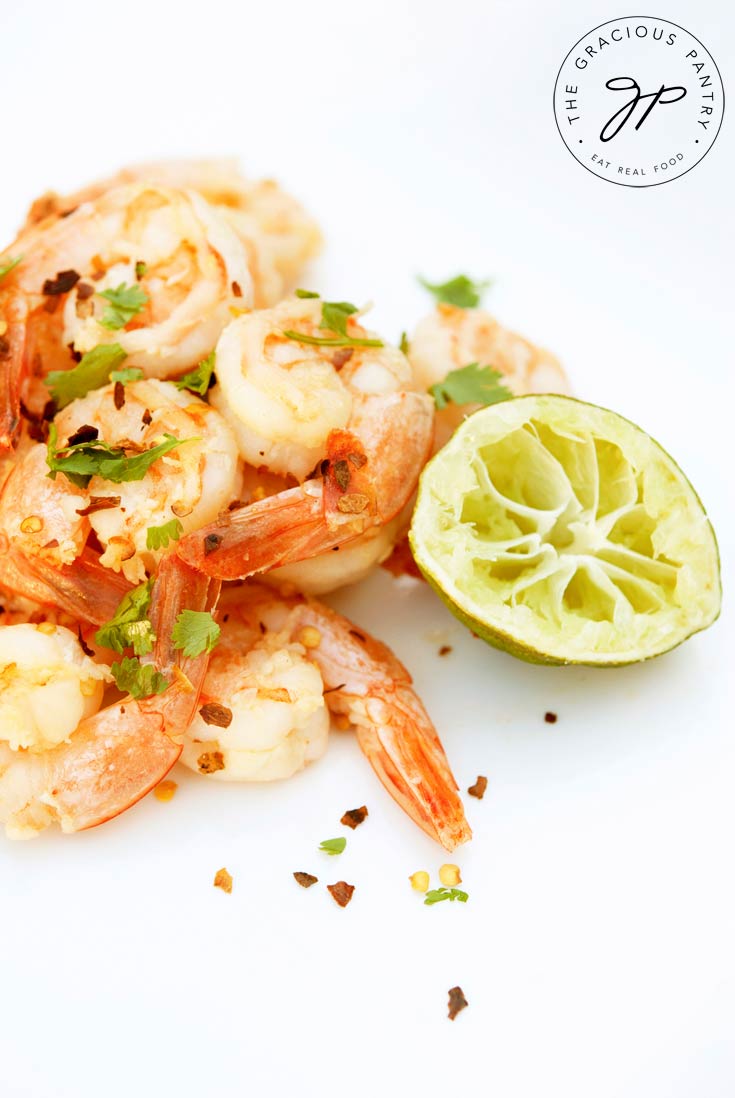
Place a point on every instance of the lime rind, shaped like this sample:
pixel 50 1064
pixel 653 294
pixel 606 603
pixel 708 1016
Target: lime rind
pixel 561 532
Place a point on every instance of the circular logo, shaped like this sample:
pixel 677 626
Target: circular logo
pixel 639 101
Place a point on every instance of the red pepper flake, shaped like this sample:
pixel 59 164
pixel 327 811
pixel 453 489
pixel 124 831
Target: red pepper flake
pixel 358 460
pixel 341 473
pixel 4 346
pixel 84 290
pixel 64 281
pixel 478 789
pixel 306 880
pixel 339 358
pixel 341 892
pixel 445 650
pixel 356 633
pixel 457 1001
pixel 236 289
pixel 118 395
pixel 211 542
pixel 99 503
pixel 85 433
pixel 147 417
pixel 550 718
pixel 353 817
pixel 214 713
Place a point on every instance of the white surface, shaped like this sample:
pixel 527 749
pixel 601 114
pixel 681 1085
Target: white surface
pixel 596 949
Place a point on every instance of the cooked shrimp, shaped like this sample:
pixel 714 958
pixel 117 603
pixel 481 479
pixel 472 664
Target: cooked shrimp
pixel 351 413
pixel 47 523
pixel 192 483
pixel 361 679
pixel 184 259
pixel 452 337
pixel 263 715
pixel 277 233
pixel 62 758
pixel 47 685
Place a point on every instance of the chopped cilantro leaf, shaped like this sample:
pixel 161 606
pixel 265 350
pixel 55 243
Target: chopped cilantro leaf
pixel 333 846
pixel 7 266
pixel 403 345
pixel 305 293
pixel 194 632
pixel 125 302
pixel 130 627
pixel 138 679
pixel 472 384
pixel 461 291
pixel 93 371
pixel 158 537
pixel 335 315
pixel 84 460
pixel 198 380
pixel 436 895
pixel 132 373
pixel 140 269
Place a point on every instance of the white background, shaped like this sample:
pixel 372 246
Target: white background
pixel 597 946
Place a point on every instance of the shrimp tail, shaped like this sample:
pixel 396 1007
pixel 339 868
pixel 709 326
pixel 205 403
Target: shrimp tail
pixel 365 681
pixel 280 528
pixel 178 587
pixel 405 753
pixel 84 589
pixel 13 311
pixel 369 475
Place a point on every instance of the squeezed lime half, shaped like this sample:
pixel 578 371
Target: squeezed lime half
pixel 562 533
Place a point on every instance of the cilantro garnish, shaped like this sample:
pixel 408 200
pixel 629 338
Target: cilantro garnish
pixel 436 895
pixel 84 460
pixel 472 384
pixel 461 291
pixel 140 680
pixel 91 372
pixel 194 632
pixel 198 380
pixel 131 373
pixel 140 269
pixel 158 537
pixel 125 302
pixel 7 266
pixel 130 627
pixel 333 846
pixel 403 346
pixel 305 293
pixel 335 315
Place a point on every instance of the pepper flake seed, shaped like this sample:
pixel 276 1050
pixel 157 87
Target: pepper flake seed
pixel 223 880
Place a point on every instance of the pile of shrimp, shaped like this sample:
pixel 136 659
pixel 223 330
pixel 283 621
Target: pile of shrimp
pixel 150 320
